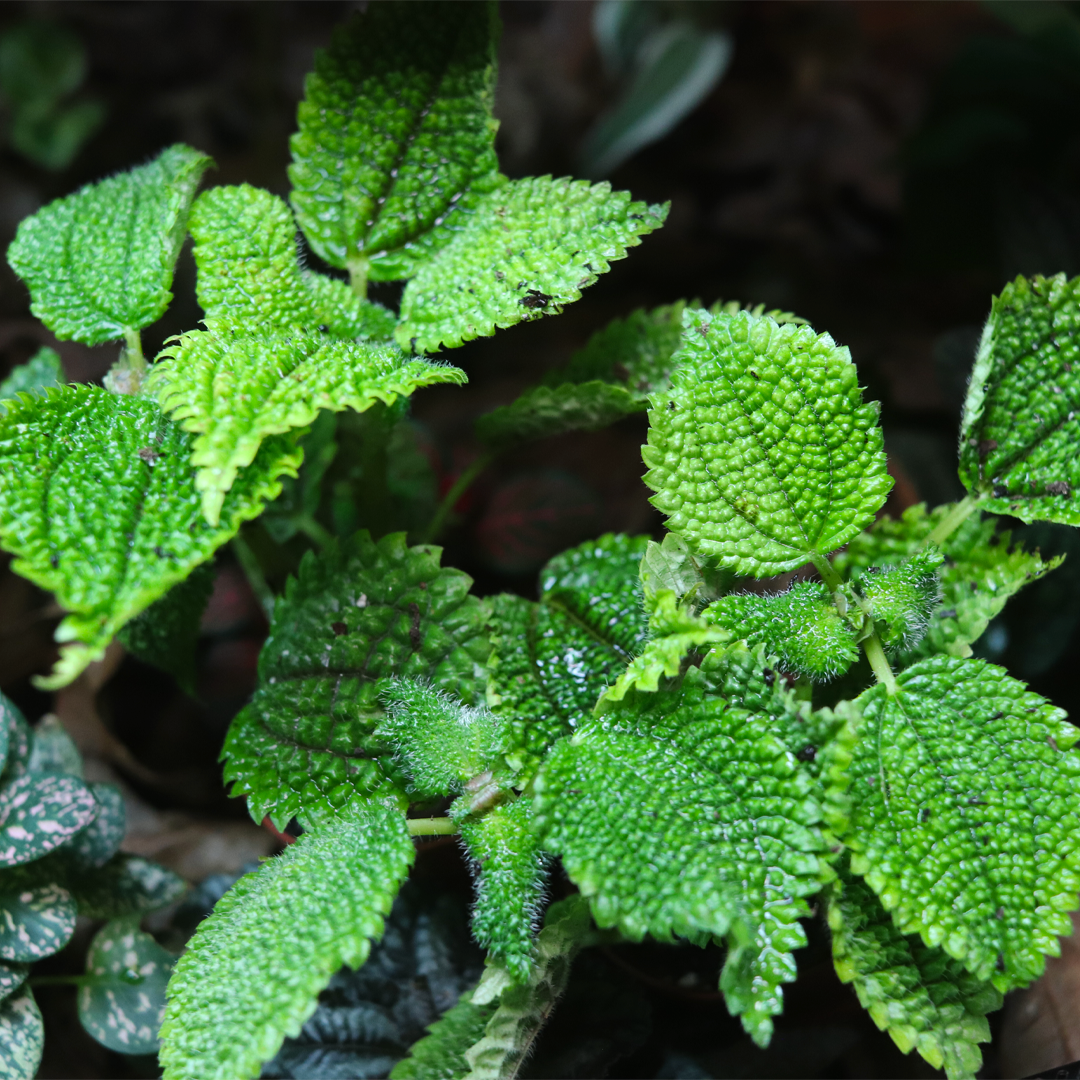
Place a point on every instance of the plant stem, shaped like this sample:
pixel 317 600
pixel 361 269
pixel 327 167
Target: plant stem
pixel 954 519
pixel 450 499
pixel 876 655
pixel 431 826
pixel 315 532
pixel 825 568
pixel 133 353
pixel 249 563
pixel 358 274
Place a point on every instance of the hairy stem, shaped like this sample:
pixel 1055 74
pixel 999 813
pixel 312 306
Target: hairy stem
pixel 133 353
pixel 954 519
pixel 450 499
pixel 825 568
pixel 253 571
pixel 880 664
pixel 431 826
pixel 358 275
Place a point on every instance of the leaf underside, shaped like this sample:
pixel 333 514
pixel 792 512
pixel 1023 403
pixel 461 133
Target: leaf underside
pixel 762 452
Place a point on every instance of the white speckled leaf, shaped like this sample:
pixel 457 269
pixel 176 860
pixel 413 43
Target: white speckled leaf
pixel 123 1007
pixel 95 845
pixel 12 976
pixel 22 1036
pixel 39 812
pixel 125 885
pixel 34 921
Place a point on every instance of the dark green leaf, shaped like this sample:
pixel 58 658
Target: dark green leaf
pixel 22 1036
pixel 36 920
pixel 440 1055
pixel 39 812
pixel 52 749
pixel 12 976
pixel 95 845
pixel 125 885
pixel 40 372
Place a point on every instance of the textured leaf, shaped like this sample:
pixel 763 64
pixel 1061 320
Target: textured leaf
pixel 40 372
pixel 22 1036
pixel 922 997
pixel 530 248
pixel 958 803
pixel 167 632
pixel 396 135
pixel 39 812
pixel 124 1005
pixel 802 628
pixel 902 599
pixel 250 280
pixel 440 1055
pixel 35 920
pixel 981 571
pixel 300 497
pixel 356 615
pixel 672 565
pixel 99 263
pixel 682 814
pixel 762 453
pixel 98 504
pixel 94 846
pixel 510 886
pixel 251 977
pixel 1020 426
pixel 125 885
pixel 233 392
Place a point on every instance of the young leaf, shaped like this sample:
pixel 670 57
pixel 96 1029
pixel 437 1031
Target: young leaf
pixel 981 571
pixel 40 372
pixel 357 614
pixel 440 1055
pixel 252 976
pixel 167 632
pixel 99 263
pixel 396 135
pixel 1020 425
pixel 902 599
pixel 39 812
pixel 762 453
pixel 922 997
pixel 35 920
pixel 22 1036
pixel 529 248
pixel 98 504
pixel 957 802
pixel 680 813
pixel 124 1005
pixel 94 846
pixel 802 628
pixel 235 391
pixel 509 889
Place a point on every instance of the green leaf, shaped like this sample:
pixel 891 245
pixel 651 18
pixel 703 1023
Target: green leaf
pixel 22 1036
pixel 529 248
pixel 958 803
pixel 1019 430
pixel 673 566
pixel 762 454
pixel 510 886
pixel 802 628
pixel 40 372
pixel 167 632
pixel 923 998
pixel 12 976
pixel 124 1004
pixel 95 845
pixel 902 599
pixel 276 938
pixel 981 571
pixel 98 504
pixel 125 885
pixel 440 1055
pixel 39 812
pixel 99 263
pixel 35 920
pixel 680 813
pixel 299 500
pixel 52 749
pixel 250 279
pixel 396 135
pixel 356 615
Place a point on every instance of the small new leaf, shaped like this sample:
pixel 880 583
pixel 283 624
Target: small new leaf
pixel 99 263
pixel 903 598
pixel 251 977
pixel 529 248
pixel 762 453
pixel 40 372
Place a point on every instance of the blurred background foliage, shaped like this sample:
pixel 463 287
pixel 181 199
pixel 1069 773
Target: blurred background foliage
pixel 880 169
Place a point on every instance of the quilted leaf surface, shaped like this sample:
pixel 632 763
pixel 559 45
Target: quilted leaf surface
pixel 922 997
pixel 40 372
pixel 1020 425
pixel 99 263
pixel 680 813
pixel 762 453
pixel 99 506
pixel 981 571
pixel 958 803
pixel 22 1036
pixel 528 249
pixel 355 616
pixel 234 391
pixel 396 135
pixel 249 977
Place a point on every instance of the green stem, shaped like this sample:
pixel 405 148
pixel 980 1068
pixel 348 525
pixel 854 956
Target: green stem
pixel 825 568
pixel 358 275
pixel 954 519
pixel 431 826
pixel 133 353
pixel 249 563
pixel 876 655
pixel 450 499
pixel 315 532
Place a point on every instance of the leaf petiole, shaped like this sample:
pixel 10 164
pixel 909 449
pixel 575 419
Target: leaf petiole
pixel 879 663
pixel 954 519
pixel 431 826
pixel 451 498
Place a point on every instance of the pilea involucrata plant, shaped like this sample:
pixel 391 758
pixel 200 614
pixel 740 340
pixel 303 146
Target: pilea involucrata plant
pixel 707 756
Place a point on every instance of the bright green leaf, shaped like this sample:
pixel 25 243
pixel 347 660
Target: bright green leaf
pixel 902 599
pixel 35 920
pixel 40 372
pixel 1020 426
pixel 958 803
pixel 99 263
pixel 357 614
pixel 22 1036
pixel 98 504
pixel 529 248
pixel 763 454
pixel 253 971
pixel 396 135
pixel 39 812
pixel 922 997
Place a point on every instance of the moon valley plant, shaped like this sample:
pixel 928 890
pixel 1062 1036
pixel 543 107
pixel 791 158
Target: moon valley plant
pixel 706 759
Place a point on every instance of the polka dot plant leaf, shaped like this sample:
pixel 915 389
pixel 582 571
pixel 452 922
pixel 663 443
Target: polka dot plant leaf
pixel 22 1036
